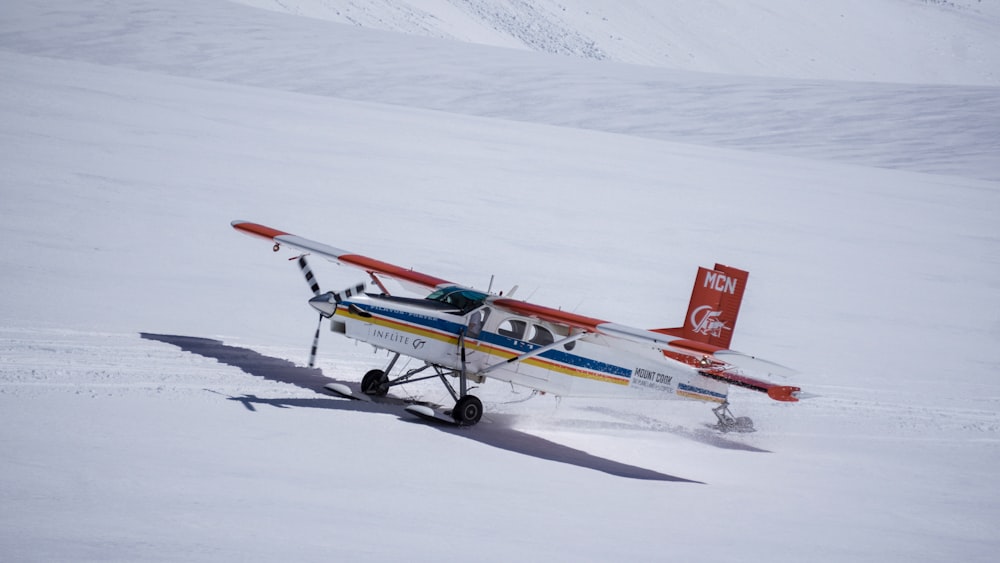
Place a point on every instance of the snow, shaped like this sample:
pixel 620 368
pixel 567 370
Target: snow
pixel 153 399
pixel 921 41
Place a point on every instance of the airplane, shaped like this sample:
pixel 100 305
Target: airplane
pixel 462 333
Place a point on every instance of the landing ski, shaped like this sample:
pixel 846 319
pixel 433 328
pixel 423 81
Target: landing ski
pixel 425 411
pixel 341 390
pixel 431 415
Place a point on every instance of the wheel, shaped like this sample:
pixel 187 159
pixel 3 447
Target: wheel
pixel 375 383
pixel 468 410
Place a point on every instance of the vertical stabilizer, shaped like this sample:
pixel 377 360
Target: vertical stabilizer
pixel 715 304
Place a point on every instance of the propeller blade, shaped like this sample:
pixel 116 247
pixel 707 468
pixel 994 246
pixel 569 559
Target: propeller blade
pixel 357 289
pixel 315 346
pixel 307 272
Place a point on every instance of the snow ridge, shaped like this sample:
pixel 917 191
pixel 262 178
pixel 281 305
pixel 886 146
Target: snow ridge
pixel 535 27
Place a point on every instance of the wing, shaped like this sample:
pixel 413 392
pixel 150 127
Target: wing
pixel 373 267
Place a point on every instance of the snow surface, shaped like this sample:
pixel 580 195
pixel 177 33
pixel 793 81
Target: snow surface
pixel 922 41
pixel 153 399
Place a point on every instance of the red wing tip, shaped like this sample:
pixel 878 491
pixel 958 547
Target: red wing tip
pixel 784 393
pixel 257 229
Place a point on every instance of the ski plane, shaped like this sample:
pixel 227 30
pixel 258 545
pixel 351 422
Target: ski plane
pixel 462 333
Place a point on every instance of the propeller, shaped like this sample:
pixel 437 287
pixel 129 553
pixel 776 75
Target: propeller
pixel 308 273
pixel 314 286
pixel 325 303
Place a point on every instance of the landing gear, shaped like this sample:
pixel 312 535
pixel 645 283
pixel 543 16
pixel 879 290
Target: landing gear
pixel 468 410
pixel 730 423
pixel 375 383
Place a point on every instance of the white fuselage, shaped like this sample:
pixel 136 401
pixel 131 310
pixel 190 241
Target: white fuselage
pixel 592 366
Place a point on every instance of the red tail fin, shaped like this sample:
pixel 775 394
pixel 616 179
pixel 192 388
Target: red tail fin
pixel 715 304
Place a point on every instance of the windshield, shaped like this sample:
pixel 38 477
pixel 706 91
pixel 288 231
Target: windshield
pixel 464 300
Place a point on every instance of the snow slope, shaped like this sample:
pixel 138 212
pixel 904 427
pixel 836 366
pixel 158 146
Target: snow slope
pixel 938 129
pixel 917 41
pixel 152 396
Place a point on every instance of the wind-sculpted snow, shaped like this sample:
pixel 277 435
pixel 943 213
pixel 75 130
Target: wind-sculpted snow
pixel 915 41
pixel 532 25
pixel 927 128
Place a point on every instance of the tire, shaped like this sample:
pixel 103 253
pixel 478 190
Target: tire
pixel 468 410
pixel 375 383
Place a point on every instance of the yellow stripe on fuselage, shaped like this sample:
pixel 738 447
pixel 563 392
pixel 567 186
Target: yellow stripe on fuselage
pixel 401 326
pixel 476 345
pixel 548 364
pixel 699 396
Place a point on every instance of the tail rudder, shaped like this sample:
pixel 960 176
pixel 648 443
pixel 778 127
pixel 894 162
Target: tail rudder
pixel 715 305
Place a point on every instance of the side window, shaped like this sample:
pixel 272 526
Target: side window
pixel 513 328
pixel 541 335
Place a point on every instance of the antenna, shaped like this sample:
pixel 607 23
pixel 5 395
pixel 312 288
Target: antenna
pixel 490 288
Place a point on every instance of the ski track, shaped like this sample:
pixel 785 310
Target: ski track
pixel 36 362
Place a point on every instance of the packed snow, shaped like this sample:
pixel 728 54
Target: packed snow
pixel 154 399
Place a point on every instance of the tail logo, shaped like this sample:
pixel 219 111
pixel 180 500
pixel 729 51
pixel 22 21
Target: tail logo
pixel 705 320
pixel 720 282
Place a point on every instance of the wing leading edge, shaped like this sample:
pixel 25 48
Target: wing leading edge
pixel 370 265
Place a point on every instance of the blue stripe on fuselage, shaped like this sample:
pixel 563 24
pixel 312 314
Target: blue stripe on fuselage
pixel 579 362
pixel 511 344
pixel 424 321
pixel 699 390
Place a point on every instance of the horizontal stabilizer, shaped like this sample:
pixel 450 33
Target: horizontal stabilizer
pixel 785 393
pixel 754 365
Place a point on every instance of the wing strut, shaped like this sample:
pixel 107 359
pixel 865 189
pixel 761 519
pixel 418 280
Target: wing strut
pixel 535 352
pixel 378 282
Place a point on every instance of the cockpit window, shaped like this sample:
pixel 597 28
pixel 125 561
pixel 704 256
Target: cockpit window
pixel 464 300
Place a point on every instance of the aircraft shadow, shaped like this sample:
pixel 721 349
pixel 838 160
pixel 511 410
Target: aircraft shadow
pixel 499 434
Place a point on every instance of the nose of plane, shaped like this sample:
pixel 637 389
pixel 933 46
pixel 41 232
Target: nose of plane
pixel 325 304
